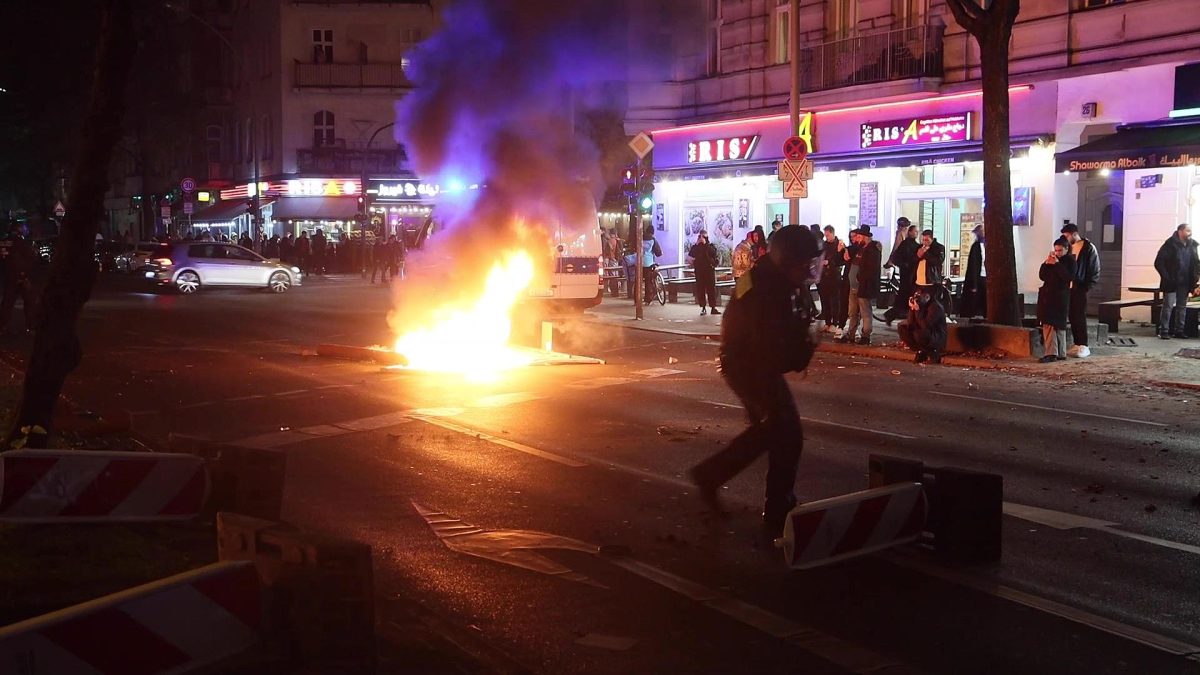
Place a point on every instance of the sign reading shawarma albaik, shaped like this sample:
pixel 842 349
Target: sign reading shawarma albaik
pixel 948 128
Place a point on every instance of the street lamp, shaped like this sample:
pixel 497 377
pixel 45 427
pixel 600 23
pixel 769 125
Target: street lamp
pixel 254 128
pixel 366 200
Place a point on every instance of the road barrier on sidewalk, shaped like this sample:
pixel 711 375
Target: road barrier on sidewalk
pixel 245 480
pixel 319 591
pixel 829 530
pixel 61 486
pixel 956 511
pixel 385 356
pixel 173 625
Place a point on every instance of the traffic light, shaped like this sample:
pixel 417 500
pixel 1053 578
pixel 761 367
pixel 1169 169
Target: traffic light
pixel 629 182
pixel 250 207
pixel 647 199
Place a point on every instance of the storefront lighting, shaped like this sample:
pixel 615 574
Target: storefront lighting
pixel 1067 172
pixel 1186 112
pixel 1105 173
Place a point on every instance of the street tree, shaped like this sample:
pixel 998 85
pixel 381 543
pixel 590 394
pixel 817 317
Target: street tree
pixel 990 22
pixel 56 347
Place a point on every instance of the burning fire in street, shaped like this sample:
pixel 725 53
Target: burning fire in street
pixel 470 337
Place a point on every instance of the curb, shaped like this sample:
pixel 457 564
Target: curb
pixel 897 354
pixel 1190 386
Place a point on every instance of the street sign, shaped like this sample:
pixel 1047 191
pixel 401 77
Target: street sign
pixel 166 211
pixel 641 145
pixel 59 210
pixel 795 189
pixel 189 207
pixel 800 170
pixel 795 148
pixel 188 185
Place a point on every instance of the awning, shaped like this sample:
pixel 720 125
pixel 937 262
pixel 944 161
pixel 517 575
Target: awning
pixel 315 208
pixel 1136 147
pixel 221 212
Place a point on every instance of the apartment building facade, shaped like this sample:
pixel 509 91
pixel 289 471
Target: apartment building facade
pixel 892 111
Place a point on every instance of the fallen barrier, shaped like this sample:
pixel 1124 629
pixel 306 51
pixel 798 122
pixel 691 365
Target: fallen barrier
pixel 173 625
pixel 955 511
pixel 62 486
pixel 318 592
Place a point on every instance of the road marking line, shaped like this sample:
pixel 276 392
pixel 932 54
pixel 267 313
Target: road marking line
pixel 292 392
pixel 274 439
pixel 597 383
pixel 195 405
pixel 825 422
pixel 502 400
pixel 1070 521
pixel 657 372
pixel 245 398
pixel 495 440
pixel 1080 616
pixel 376 422
pixel 1048 408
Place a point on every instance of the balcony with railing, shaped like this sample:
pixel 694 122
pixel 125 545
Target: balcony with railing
pixel 342 160
pixel 902 54
pixel 351 76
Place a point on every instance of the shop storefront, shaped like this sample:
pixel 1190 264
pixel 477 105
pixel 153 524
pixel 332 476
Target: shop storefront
pixel 873 163
pixel 400 205
pixel 305 205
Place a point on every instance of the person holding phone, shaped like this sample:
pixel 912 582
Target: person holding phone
pixel 1054 300
pixel 924 331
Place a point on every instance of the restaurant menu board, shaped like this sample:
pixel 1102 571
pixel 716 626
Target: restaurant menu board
pixel 868 204
pixel 966 224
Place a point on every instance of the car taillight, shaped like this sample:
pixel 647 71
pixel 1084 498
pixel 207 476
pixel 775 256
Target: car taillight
pixel 163 262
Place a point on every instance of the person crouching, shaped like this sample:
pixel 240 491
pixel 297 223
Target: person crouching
pixel 924 331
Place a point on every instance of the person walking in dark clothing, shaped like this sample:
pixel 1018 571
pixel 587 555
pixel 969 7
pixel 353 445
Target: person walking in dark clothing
pixel 763 338
pixel 864 262
pixel 704 261
pixel 1178 270
pixel 303 252
pixel 271 248
pixel 319 249
pixel 904 259
pixel 287 249
pixel 1087 275
pixel 1054 298
pixel 974 293
pixel 245 242
pixel 829 283
pixel 924 331
pixel 18 282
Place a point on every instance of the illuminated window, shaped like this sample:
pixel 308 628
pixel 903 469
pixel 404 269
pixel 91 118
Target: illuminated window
pixel 1088 4
pixel 323 128
pixel 322 45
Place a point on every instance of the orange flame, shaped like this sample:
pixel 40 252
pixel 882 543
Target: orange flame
pixel 471 338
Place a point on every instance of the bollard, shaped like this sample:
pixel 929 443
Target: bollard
pixel 965 514
pixel 547 343
pixel 319 591
pixel 886 470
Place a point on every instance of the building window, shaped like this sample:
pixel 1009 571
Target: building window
pixel 213 136
pixel 268 138
pixel 909 13
pixel 322 128
pixel 411 36
pixel 1088 4
pixel 841 19
pixel 322 45
pixel 781 26
pixel 714 37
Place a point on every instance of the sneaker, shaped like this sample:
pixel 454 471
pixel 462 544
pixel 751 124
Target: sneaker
pixel 1164 336
pixel 838 333
pixel 715 312
pixel 1049 358
pixel 843 339
pixel 1178 336
pixel 1083 352
pixel 1073 350
pixel 703 311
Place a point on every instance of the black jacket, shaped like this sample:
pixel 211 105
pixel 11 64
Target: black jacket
pixel 934 258
pixel 869 266
pixel 1054 297
pixel 762 334
pixel 833 271
pixel 1167 264
pixel 974 267
pixel 931 319
pixel 904 258
pixel 704 258
pixel 1087 266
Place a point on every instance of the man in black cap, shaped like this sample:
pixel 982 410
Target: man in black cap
pixel 764 337
pixel 863 264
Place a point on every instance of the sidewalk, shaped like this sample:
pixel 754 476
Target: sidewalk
pixel 1133 357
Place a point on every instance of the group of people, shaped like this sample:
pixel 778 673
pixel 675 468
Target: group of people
pixel 618 253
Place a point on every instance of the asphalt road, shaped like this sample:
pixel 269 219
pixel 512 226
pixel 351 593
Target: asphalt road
pixel 485 502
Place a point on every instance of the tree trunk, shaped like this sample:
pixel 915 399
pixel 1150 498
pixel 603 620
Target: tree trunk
pixel 56 349
pixel 1003 307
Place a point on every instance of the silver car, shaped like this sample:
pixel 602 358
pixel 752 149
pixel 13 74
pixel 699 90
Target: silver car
pixel 189 265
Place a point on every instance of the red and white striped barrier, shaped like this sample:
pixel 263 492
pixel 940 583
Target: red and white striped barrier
pixel 172 625
pixel 822 532
pixel 60 486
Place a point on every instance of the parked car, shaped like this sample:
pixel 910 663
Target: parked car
pixel 136 257
pixel 106 255
pixel 188 266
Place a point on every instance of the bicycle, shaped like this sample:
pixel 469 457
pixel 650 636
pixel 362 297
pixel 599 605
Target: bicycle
pixel 660 289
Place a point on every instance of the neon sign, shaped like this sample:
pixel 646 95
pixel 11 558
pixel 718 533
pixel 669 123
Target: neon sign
pixel 917 131
pixel 321 187
pixel 407 189
pixel 721 149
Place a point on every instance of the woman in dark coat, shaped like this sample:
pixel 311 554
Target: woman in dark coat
pixel 1054 299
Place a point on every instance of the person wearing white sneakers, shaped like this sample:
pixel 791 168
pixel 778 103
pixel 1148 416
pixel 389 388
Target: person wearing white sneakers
pixel 1087 275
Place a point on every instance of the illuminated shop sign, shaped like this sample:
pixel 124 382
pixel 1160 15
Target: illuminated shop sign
pixel 302 187
pixel 407 189
pixel 917 131
pixel 732 149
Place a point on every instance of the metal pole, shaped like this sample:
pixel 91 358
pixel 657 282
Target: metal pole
pixel 635 221
pixel 794 102
pixel 363 186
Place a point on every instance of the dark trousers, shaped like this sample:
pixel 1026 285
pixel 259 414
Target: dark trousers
pixel 706 289
pixel 904 289
pixel 1174 311
pixel 12 290
pixel 630 275
pixel 1078 315
pixel 774 429
pixel 920 340
pixel 648 276
pixel 832 306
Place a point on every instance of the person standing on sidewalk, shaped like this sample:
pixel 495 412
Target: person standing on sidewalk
pixel 829 284
pixel 904 259
pixel 1087 275
pixel 974 302
pixel 865 263
pixel 1178 268
pixel 1054 297
pixel 704 259
pixel 763 338
pixel 931 256
pixel 743 256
